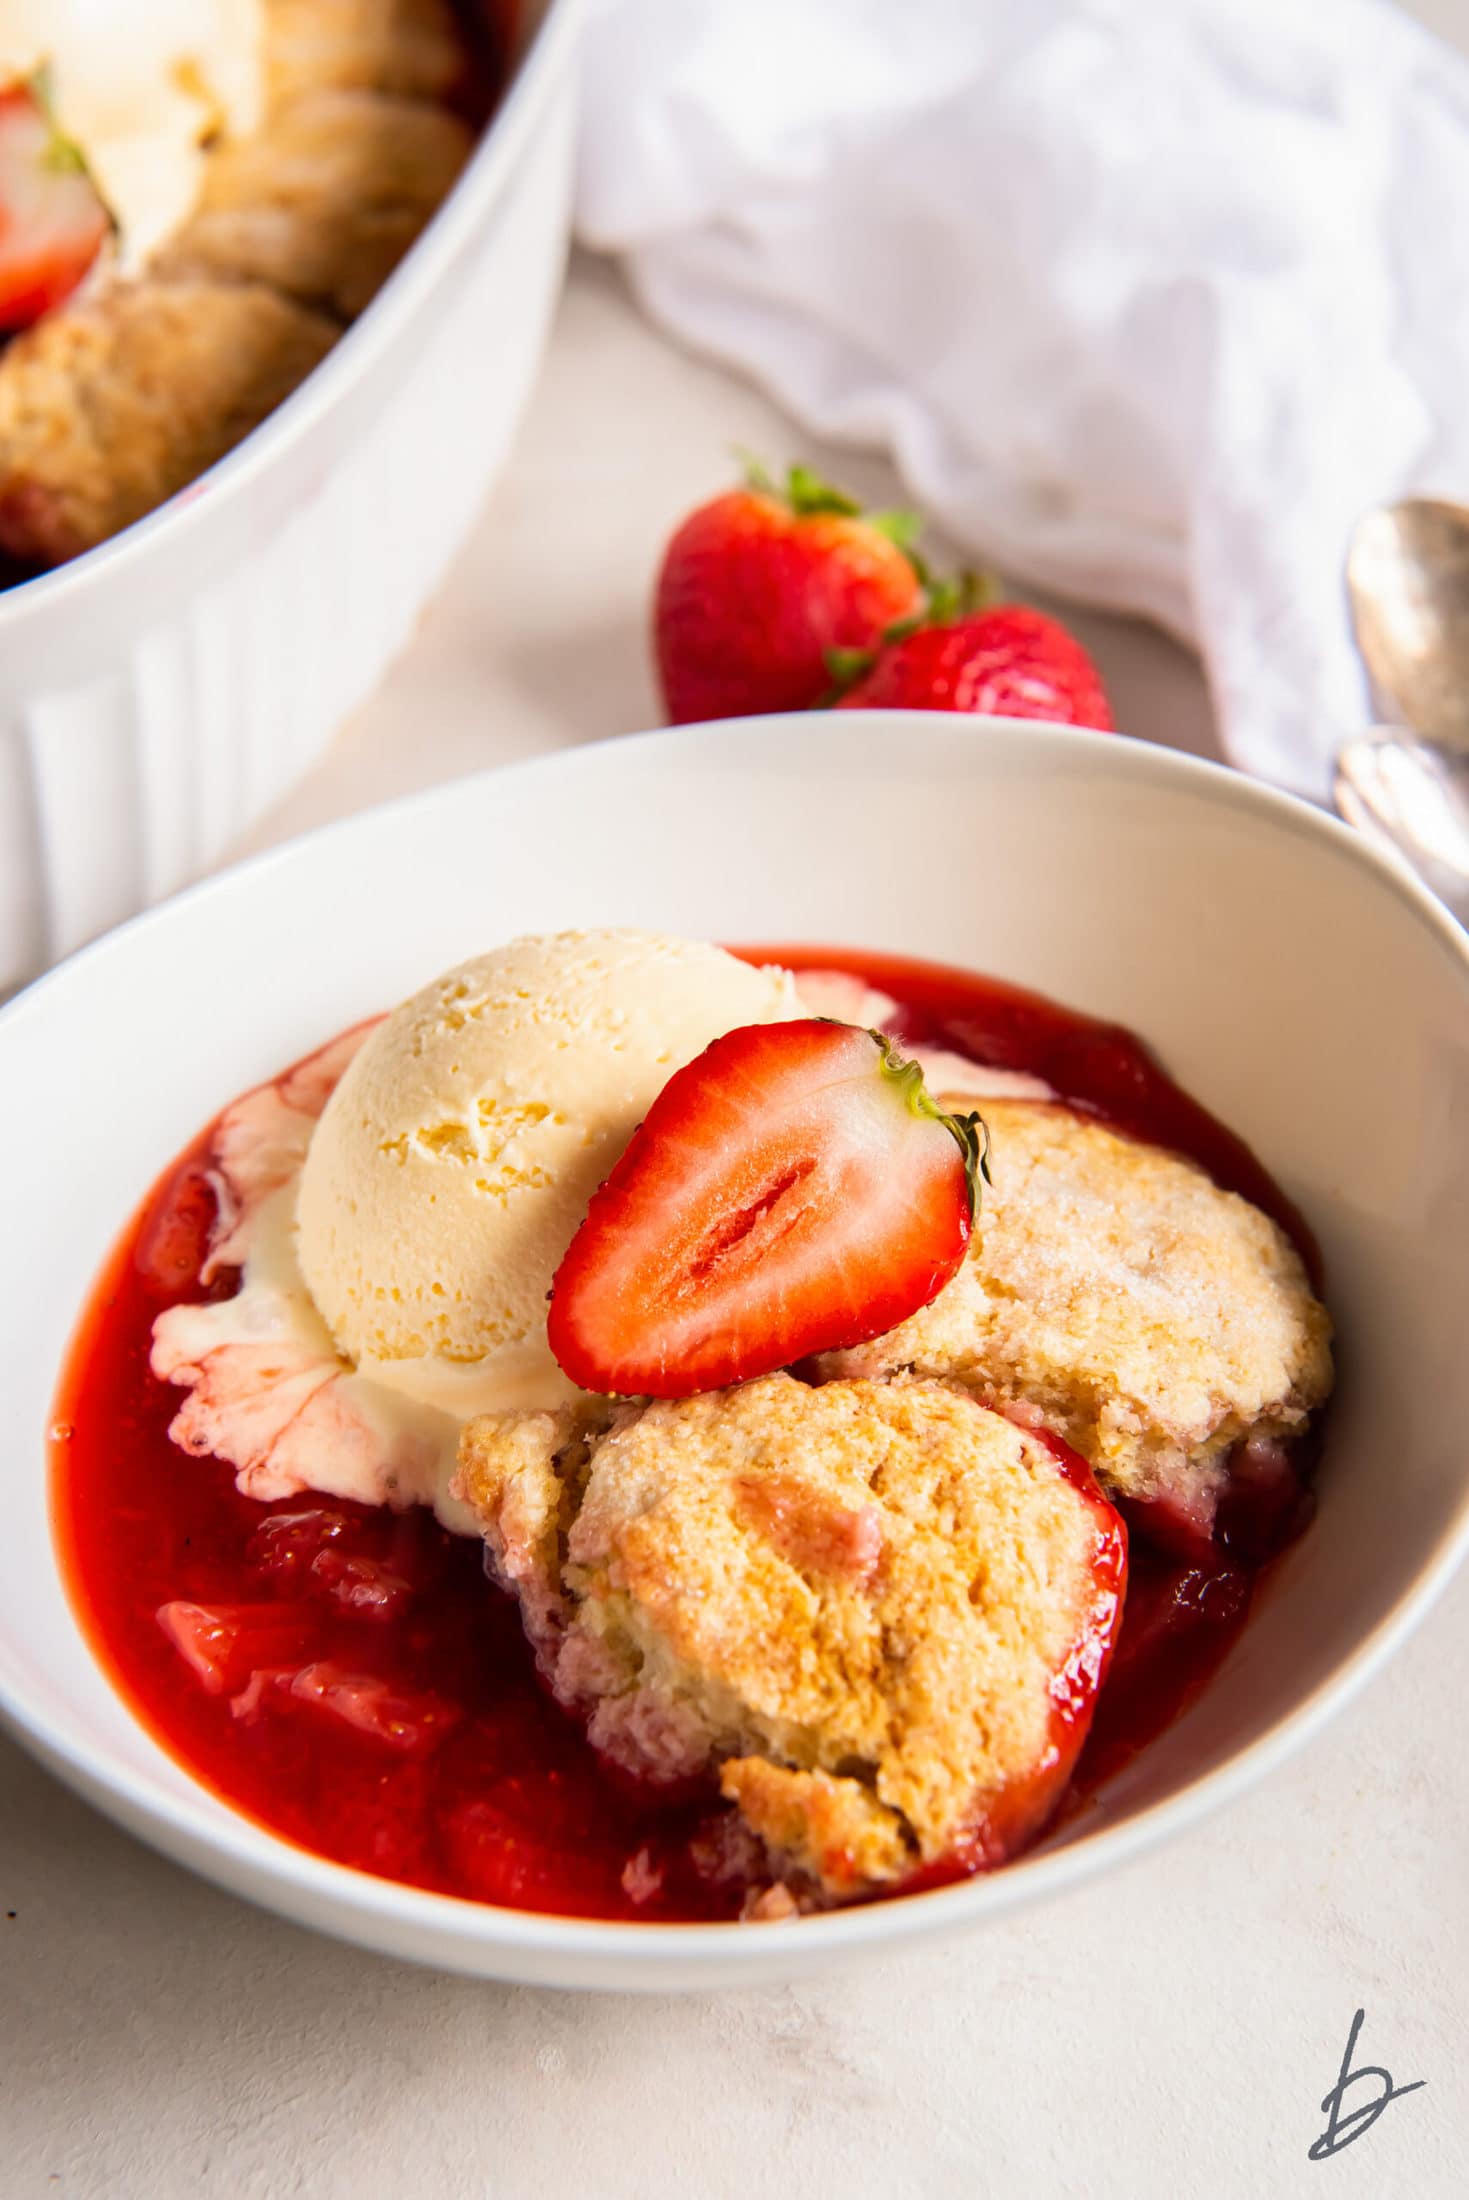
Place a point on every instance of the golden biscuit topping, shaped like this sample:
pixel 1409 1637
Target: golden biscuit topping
pixel 1151 1319
pixel 864 1601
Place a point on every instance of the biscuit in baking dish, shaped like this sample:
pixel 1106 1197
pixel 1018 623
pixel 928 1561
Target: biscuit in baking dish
pixel 859 1604
pixel 412 47
pixel 133 388
pixel 323 202
pixel 112 405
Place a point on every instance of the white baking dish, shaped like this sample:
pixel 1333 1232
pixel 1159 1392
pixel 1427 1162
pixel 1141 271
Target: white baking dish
pixel 158 694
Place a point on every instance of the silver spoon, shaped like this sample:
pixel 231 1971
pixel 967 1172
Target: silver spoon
pixel 1406 783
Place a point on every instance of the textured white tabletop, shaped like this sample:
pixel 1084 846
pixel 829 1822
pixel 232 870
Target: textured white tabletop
pixel 1172 2030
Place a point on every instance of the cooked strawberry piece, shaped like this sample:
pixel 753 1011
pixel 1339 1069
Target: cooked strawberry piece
pixel 1181 1620
pixel 260 1142
pixel 758 585
pixel 261 1686
pixel 643 1875
pixel 1260 1504
pixel 52 218
pixel 286 1545
pixel 310 1084
pixel 1267 1500
pixel 175 1243
pixel 224 1643
pixel 793 1185
pixel 1179 1519
pixel 404 1718
pixel 1011 661
pixel 364 1588
pixel 810 1528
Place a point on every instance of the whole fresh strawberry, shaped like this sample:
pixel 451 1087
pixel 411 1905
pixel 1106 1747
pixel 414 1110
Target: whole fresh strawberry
pixel 52 219
pixel 759 585
pixel 1011 661
pixel 793 1190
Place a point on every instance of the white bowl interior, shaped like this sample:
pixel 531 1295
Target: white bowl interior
pixel 1296 984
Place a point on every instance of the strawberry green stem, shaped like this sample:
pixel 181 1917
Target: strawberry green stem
pixel 809 494
pixel 970 1132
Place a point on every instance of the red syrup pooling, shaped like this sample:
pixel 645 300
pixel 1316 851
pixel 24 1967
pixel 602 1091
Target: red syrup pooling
pixel 353 1682
pixel 465 1777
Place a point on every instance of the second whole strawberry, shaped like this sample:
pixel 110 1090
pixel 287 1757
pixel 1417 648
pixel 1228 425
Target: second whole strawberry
pixel 792 598
pixel 1010 662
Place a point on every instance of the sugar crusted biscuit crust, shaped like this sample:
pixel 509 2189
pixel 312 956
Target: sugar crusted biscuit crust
pixel 134 388
pixel 1151 1319
pixel 413 47
pixel 864 1604
pixel 323 202
pixel 112 405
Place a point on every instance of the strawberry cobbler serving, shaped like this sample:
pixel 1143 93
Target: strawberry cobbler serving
pixel 648 1432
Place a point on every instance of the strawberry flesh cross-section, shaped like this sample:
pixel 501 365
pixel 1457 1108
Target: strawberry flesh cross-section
pixel 53 222
pixel 793 1186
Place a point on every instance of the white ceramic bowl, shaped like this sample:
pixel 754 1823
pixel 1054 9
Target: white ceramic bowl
pixel 1300 985
pixel 159 694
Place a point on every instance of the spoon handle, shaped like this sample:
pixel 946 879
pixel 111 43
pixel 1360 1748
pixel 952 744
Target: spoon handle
pixel 1411 799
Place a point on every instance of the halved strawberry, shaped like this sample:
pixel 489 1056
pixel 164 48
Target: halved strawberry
pixel 793 1186
pixel 52 218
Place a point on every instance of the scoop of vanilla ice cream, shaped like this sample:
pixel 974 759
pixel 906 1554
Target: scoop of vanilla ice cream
pixel 454 1162
pixel 139 88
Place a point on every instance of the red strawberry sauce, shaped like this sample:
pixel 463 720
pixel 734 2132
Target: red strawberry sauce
pixel 349 1678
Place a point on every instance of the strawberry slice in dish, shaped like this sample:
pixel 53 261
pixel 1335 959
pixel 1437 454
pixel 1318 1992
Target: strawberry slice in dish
pixel 53 221
pixel 405 1719
pixel 222 1644
pixel 794 1184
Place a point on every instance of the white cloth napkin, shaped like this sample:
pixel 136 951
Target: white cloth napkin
pixel 1148 299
